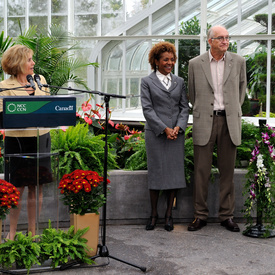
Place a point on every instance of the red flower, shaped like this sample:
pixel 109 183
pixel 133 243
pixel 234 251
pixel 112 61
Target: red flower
pixel 9 197
pixel 82 191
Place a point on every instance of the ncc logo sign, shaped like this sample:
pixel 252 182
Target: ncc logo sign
pixel 12 107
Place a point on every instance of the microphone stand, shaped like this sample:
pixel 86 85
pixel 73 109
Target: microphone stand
pixel 103 249
pixel 14 88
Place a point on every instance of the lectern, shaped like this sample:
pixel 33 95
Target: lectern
pixel 38 114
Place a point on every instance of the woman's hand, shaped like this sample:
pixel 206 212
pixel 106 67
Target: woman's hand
pixel 172 134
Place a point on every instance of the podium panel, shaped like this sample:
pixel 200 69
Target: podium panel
pixel 38 111
pixel 29 163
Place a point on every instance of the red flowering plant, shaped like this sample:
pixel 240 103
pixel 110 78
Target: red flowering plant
pixel 93 117
pixel 9 198
pixel 82 191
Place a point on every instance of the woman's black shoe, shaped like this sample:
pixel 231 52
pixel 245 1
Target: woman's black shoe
pixel 169 224
pixel 151 223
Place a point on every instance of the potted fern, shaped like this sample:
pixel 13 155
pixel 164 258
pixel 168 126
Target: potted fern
pixel 63 246
pixel 22 251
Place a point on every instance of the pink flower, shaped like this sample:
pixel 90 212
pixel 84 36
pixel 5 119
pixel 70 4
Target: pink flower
pixel 126 137
pixel 111 122
pixel 88 120
pixel 86 106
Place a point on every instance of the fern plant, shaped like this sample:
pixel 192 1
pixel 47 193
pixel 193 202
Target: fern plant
pixel 23 251
pixel 138 160
pixel 61 246
pixel 78 148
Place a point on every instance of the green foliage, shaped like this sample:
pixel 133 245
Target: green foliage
pixel 61 246
pixel 54 55
pixel 246 106
pixel 264 115
pixel 249 133
pixel 58 245
pixel 256 68
pixel 5 43
pixel 138 160
pixel 80 149
pixel 272 103
pixel 23 251
pixel 263 20
pixel 188 154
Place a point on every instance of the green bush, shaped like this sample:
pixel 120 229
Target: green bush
pixel 78 148
pixel 23 251
pixel 60 246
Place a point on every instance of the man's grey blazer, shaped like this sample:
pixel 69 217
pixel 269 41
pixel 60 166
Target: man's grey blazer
pixel 201 94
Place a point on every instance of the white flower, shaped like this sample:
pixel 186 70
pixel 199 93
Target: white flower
pixel 260 161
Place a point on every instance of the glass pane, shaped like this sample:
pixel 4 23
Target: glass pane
pixel 134 7
pixel 60 20
pixel 111 6
pixel 134 88
pixel 139 57
pixel 16 7
pixel 41 21
pixel 114 62
pixel 90 23
pixel 256 66
pixel 87 6
pixel 60 6
pixel 110 22
pixel 38 7
pixel 13 26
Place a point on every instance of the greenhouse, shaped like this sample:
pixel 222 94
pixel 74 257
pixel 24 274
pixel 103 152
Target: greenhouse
pixel 74 95
pixel 117 34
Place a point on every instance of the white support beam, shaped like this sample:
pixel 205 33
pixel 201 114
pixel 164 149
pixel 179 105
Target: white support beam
pixel 203 39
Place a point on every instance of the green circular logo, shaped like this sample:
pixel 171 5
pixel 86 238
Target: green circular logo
pixel 11 107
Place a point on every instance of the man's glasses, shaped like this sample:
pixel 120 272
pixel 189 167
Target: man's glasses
pixel 222 38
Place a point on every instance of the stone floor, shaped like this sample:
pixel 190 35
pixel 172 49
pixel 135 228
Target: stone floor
pixel 211 251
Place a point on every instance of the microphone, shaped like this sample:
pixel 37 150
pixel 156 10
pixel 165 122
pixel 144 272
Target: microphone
pixel 37 80
pixel 30 80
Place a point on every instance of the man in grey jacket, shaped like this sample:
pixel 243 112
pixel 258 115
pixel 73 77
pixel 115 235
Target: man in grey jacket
pixel 217 85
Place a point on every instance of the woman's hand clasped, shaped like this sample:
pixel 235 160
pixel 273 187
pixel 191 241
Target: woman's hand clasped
pixel 172 134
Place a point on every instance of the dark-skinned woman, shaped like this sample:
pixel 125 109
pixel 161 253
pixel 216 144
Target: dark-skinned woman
pixel 165 108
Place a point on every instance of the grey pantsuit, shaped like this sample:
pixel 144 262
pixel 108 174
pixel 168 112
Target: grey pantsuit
pixel 164 108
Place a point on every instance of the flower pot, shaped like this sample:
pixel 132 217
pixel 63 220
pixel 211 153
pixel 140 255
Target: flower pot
pixel 90 220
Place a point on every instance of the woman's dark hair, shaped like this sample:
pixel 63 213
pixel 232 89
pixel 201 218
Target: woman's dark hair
pixel 157 50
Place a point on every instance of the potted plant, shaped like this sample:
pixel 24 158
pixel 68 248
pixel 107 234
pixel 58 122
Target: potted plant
pixel 63 246
pixel 83 192
pixel 9 198
pixel 23 251
pixel 260 185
